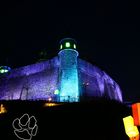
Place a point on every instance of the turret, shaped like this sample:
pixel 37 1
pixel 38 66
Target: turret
pixel 4 69
pixel 69 87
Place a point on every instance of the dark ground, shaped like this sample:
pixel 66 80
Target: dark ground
pixel 96 120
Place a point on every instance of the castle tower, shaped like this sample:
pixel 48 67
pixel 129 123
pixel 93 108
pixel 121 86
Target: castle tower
pixel 69 87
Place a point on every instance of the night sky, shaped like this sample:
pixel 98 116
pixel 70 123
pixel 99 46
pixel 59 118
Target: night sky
pixel 107 33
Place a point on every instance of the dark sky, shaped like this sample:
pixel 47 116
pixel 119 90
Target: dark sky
pixel 107 33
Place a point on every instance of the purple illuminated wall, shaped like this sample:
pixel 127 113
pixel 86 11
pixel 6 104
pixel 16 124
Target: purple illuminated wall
pixel 40 80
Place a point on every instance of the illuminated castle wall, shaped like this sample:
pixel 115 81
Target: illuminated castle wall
pixel 62 78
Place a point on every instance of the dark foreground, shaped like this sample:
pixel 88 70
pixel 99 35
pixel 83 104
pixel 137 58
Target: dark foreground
pixel 94 120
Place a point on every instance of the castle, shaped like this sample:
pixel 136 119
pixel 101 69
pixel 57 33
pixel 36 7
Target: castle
pixel 64 78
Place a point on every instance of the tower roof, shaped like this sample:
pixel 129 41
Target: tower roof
pixel 67 43
pixel 4 69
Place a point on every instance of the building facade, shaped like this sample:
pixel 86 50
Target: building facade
pixel 64 78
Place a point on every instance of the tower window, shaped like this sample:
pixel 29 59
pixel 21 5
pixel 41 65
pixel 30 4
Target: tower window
pixel 67 44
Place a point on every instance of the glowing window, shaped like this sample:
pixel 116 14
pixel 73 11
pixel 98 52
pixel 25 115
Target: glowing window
pixel 56 91
pixel 61 46
pixel 67 44
pixel 4 69
pixel 74 46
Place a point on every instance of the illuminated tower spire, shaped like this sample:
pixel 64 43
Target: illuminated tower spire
pixel 69 90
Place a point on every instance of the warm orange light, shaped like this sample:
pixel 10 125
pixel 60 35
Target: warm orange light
pixel 130 129
pixel 2 109
pixel 136 113
pixel 51 104
pixel 135 138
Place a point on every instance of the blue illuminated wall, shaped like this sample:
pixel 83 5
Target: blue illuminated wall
pixel 40 81
pixel 63 78
pixel 69 85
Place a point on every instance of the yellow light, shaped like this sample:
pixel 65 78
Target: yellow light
pixel 51 104
pixel 134 132
pixel 135 138
pixel 128 121
pixel 130 129
pixel 2 109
